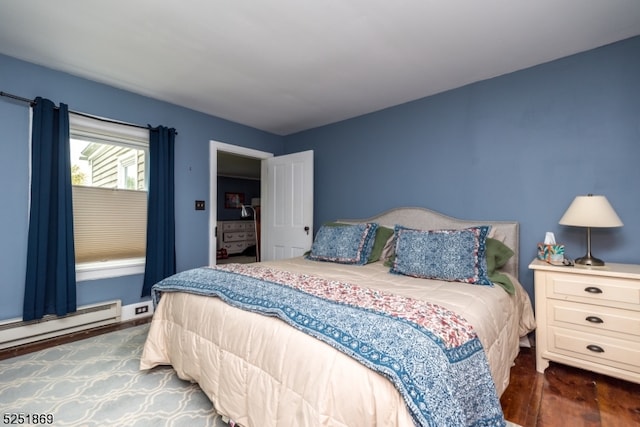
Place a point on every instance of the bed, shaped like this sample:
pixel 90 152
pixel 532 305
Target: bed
pixel 263 361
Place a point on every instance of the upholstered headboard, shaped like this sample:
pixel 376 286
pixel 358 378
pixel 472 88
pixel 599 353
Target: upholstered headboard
pixel 427 219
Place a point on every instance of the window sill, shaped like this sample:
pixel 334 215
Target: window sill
pixel 107 269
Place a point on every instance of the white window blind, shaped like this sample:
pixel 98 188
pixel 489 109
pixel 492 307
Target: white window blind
pixel 109 222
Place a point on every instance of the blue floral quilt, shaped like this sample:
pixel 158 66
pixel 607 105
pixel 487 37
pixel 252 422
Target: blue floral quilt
pixel 431 355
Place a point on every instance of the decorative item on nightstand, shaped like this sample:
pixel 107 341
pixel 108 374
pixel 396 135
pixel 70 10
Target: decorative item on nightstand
pixel 590 211
pixel 550 251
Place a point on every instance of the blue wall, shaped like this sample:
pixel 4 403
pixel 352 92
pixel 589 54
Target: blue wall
pixel 195 130
pixel 517 147
pixel 250 188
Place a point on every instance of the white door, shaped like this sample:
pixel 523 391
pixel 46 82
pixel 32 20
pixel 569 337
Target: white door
pixel 287 206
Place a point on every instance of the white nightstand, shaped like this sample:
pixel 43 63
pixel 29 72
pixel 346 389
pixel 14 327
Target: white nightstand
pixel 589 318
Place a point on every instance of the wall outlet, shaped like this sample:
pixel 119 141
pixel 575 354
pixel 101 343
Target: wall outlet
pixel 199 205
pixel 136 311
pixel 142 309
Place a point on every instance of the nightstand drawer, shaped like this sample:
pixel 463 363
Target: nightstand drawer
pixel 594 317
pixel 233 226
pixel 595 290
pixel 234 247
pixel 238 236
pixel 605 350
pixel 235 236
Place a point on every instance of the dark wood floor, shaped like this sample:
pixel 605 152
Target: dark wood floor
pixel 566 396
pixel 563 396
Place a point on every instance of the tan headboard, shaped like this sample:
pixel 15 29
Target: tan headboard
pixel 427 219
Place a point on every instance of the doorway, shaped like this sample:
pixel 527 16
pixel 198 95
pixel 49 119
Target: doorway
pixel 226 150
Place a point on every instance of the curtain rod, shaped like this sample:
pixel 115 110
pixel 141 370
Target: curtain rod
pixel 31 102
pixel 19 98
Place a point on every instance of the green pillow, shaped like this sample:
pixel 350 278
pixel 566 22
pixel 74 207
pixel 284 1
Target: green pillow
pixel 498 254
pixel 382 235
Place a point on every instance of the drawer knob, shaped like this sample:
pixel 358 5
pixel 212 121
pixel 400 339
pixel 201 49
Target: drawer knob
pixel 594 319
pixel 593 290
pixel 595 348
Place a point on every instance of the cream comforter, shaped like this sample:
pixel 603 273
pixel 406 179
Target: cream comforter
pixel 258 371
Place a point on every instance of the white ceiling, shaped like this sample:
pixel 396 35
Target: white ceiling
pixel 289 65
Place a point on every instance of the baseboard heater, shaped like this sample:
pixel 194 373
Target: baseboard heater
pixel 17 332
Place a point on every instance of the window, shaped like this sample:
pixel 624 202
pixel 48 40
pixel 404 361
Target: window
pixel 128 171
pixel 109 177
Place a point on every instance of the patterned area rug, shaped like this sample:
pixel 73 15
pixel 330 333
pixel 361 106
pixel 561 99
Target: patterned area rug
pixel 96 382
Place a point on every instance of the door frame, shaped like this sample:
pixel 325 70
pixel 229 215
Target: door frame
pixel 214 147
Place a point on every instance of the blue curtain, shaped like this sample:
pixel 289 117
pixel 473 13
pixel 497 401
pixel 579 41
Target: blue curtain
pixel 50 284
pixel 161 241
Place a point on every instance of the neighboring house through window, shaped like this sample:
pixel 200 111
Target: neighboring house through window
pixel 128 171
pixel 109 176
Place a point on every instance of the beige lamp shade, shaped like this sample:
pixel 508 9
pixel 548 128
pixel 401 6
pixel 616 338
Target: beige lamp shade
pixel 591 211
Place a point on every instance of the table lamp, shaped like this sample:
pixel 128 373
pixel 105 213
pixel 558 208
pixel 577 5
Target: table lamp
pixel 590 211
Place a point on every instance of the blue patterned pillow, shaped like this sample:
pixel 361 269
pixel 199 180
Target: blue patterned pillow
pixel 451 255
pixel 348 244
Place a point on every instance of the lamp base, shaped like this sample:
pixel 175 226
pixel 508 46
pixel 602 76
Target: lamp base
pixel 590 261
